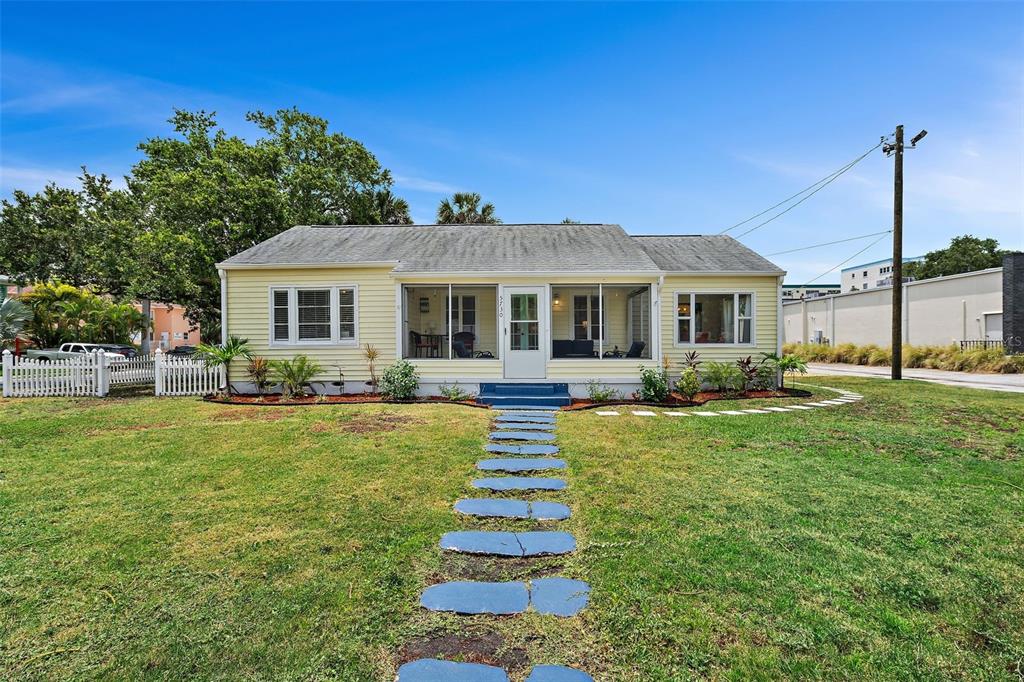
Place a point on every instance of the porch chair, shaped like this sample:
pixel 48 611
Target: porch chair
pixel 419 344
pixel 467 339
pixel 636 349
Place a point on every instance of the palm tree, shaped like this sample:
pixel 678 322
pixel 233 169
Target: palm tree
pixel 379 207
pixel 13 316
pixel 223 354
pixel 464 209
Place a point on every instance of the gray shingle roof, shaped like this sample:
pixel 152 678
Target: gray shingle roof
pixel 499 248
pixel 703 253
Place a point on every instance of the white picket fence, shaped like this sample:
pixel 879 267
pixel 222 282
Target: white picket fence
pixel 30 378
pixel 137 370
pixel 185 376
pixel 94 373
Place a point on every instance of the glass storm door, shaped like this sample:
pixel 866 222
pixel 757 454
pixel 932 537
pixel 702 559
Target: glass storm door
pixel 525 332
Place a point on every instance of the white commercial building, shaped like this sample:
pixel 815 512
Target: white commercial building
pixel 939 311
pixel 871 275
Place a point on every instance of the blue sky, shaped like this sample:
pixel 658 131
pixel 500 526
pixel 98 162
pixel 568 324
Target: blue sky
pixel 664 118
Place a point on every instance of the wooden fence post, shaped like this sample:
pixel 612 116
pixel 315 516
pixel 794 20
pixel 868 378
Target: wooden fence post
pixel 158 368
pixel 8 364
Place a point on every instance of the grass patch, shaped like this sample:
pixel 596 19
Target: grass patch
pixel 170 538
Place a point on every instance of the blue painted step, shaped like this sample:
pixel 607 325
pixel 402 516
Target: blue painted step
pixel 524 396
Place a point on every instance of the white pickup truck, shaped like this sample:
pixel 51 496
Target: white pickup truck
pixel 71 350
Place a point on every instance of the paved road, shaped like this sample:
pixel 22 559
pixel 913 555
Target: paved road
pixel 1011 383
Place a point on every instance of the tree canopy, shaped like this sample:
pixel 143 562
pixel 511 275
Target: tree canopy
pixel 966 253
pixel 465 208
pixel 196 198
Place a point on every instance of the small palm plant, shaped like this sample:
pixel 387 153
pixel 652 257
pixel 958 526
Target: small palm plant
pixel 787 364
pixel 222 355
pixel 259 373
pixel 13 316
pixel 371 354
pixel 295 374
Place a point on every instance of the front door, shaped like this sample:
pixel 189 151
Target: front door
pixel 525 331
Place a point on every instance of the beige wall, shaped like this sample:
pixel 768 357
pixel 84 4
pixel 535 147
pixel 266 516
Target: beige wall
pixel 937 311
pixel 378 310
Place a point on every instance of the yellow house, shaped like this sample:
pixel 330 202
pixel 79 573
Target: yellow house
pixel 480 305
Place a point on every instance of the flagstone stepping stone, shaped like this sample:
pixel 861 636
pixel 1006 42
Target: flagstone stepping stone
pixel 757 411
pixel 549 511
pixel 532 464
pixel 732 412
pixel 817 404
pixel 557 673
pixel 677 414
pixel 526 449
pixel 706 414
pixel 832 402
pixel 644 413
pixel 513 509
pixel 519 483
pixel 777 409
pixel 525 426
pixel 524 417
pixel 520 435
pixel 800 407
pixel 504 543
pixel 606 413
pixel 468 597
pixel 509 509
pixel 559 596
pixel 432 670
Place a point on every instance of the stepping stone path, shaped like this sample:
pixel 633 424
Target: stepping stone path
pixel 511 464
pixel 521 435
pixel 519 483
pixel 845 398
pixel 517 432
pixel 513 509
pixel 504 543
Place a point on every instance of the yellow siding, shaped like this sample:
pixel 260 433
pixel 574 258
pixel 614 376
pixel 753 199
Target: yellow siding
pixel 248 311
pixel 766 296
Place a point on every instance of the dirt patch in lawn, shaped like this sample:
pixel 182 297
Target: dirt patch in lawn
pixel 488 648
pixel 367 423
pixel 237 415
pixel 495 569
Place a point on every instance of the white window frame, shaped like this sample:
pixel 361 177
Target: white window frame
pixel 401 292
pixel 293 316
pixel 692 293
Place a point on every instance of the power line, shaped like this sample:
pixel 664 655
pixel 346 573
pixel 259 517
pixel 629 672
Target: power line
pixel 847 260
pixel 825 181
pixel 838 241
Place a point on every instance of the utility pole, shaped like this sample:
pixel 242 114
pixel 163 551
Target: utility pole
pixel 897 259
pixel 896 149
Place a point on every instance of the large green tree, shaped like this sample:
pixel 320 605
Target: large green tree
pixel 465 208
pixel 84 237
pixel 209 195
pixel 964 254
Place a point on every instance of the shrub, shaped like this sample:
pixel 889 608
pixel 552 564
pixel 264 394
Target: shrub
pixel 688 384
pixel 399 381
pixel 370 354
pixel 691 360
pixel 723 376
pixel 786 364
pixel 454 392
pixel 767 377
pixel 600 393
pixel 653 384
pixel 748 368
pixel 294 374
pixel 223 354
pixel 929 357
pixel 258 371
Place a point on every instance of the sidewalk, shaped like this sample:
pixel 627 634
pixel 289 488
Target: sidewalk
pixel 1011 383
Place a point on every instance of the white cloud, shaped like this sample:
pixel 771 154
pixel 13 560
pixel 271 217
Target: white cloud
pixel 422 184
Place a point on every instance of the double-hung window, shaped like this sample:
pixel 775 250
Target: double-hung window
pixel 313 315
pixel 714 318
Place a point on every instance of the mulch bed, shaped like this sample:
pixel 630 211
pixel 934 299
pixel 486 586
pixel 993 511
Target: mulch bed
pixel 347 398
pixel 676 400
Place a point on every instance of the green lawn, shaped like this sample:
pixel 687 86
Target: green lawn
pixel 171 539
